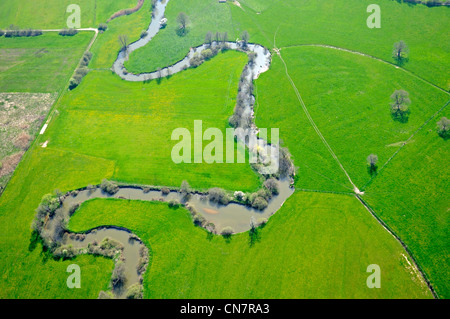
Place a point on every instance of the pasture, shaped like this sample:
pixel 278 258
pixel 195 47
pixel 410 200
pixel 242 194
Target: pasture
pixel 316 246
pixel 52 14
pixel 40 64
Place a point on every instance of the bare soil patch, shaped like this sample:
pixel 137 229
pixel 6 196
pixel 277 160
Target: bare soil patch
pixel 21 116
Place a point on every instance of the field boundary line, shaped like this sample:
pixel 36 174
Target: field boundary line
pixel 405 247
pixel 372 57
pixel 305 109
pixel 322 191
pixel 406 142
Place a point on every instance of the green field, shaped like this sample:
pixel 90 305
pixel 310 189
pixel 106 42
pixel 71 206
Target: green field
pixel 35 274
pixel 320 243
pixel 51 14
pixel 132 124
pixel 343 239
pixel 411 195
pixel 40 64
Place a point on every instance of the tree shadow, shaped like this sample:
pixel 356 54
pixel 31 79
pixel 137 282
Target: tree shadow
pixel 401 61
pixel 209 236
pixel 182 32
pixel 254 236
pixel 227 238
pixel 445 135
pixel 402 117
pixel 36 240
pixel 372 170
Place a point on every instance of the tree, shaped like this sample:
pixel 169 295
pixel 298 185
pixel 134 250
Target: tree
pixel 185 190
pixel 400 52
pixel 225 37
pixel 253 223
pixel 400 105
pixel 118 277
pixel 272 185
pixel 109 187
pixel 218 195
pixel 217 37
pixel 135 291
pixel 444 127
pixel 102 27
pixel 227 231
pixel 49 204
pixel 59 195
pixel 260 203
pixel 123 41
pixel 208 38
pixel 183 21
pixel 245 37
pixel 372 160
pixel 252 58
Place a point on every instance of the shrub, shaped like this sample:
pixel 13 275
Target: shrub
pixel 443 126
pixel 272 185
pixel 14 31
pixel 105 295
pixel 211 228
pixel 144 34
pixel 207 54
pixel 135 291
pixel 227 231
pixel 2 32
pixel 102 27
pixel 118 277
pixel 165 191
pixel 73 83
pixel 199 220
pixel 196 61
pixel 65 252
pixel 82 71
pixel 218 195
pixel 173 203
pixel 259 203
pixel 109 187
pixel 87 56
pixel 68 32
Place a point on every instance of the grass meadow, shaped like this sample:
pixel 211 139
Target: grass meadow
pixel 132 124
pixel 40 64
pixel 411 195
pixel 27 271
pixel 51 14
